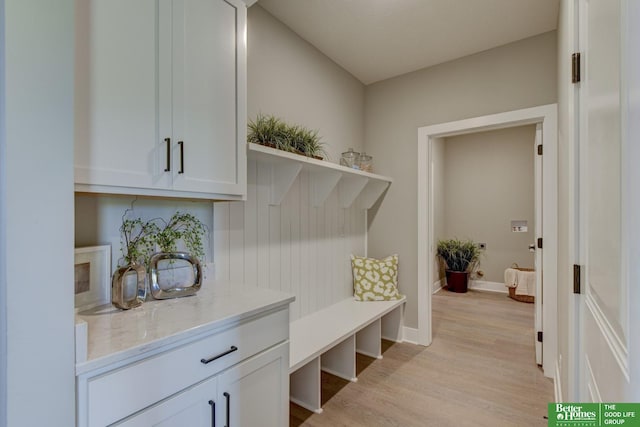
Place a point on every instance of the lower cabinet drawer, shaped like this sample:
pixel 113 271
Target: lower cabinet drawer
pixel 119 393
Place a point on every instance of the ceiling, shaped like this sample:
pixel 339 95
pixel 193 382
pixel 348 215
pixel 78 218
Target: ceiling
pixel 378 39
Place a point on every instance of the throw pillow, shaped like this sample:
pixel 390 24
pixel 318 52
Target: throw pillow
pixel 375 280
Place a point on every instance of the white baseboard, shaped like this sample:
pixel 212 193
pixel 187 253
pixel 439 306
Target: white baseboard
pixel 410 335
pixel 437 286
pixel 557 385
pixel 483 285
pixel 477 285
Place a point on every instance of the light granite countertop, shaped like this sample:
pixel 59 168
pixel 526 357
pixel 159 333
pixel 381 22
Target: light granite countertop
pixel 116 336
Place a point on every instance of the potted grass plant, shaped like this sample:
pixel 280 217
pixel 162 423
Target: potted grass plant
pixel 274 132
pixel 460 258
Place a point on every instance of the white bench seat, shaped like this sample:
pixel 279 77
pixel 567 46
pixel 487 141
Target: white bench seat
pixel 328 340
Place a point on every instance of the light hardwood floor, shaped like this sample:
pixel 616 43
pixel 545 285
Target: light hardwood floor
pixel 479 371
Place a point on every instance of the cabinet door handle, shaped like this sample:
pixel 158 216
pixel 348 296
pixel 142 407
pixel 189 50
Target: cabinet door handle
pixel 181 144
pixel 213 413
pixel 218 356
pixel 168 141
pixel 227 396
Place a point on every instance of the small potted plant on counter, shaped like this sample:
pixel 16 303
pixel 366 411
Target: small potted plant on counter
pixel 173 273
pixel 128 288
pixel 460 258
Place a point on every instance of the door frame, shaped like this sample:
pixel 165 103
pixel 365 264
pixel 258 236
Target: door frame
pixel 546 115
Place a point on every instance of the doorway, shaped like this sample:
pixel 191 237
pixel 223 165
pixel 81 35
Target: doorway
pixel 545 117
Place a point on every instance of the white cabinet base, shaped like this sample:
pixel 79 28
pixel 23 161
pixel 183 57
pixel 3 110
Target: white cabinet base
pixel 243 365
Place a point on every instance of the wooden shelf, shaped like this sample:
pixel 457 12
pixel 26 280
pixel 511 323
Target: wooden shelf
pixel 352 184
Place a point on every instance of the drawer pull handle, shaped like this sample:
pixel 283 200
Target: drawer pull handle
pixel 181 144
pixel 228 397
pixel 213 413
pixel 218 356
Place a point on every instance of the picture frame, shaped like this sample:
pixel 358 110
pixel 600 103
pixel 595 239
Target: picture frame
pixel 92 277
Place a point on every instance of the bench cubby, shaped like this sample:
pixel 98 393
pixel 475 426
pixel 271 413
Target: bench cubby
pixel 328 340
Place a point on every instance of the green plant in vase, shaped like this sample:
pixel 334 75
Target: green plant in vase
pixel 175 274
pixel 460 258
pixel 128 289
pixel 185 227
pixel 137 240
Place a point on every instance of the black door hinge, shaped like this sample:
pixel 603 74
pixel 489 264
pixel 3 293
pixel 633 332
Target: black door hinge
pixel 575 67
pixel 539 242
pixel 539 336
pixel 576 278
pixel 539 149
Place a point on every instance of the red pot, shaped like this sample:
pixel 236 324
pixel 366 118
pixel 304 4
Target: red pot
pixel 457 281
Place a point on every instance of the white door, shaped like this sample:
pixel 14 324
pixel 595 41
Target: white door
pixel 606 230
pixel 208 40
pixel 538 233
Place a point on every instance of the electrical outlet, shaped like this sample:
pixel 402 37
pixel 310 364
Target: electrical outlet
pixel 482 246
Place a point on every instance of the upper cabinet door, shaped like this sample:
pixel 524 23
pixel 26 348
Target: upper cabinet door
pixel 209 112
pixel 115 94
pixel 161 98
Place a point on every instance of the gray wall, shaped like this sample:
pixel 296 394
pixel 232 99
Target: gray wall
pixel 510 77
pixel 289 78
pixel 489 181
pixel 37 213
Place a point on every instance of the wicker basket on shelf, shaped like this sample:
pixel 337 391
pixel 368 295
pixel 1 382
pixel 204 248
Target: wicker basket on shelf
pixel 512 291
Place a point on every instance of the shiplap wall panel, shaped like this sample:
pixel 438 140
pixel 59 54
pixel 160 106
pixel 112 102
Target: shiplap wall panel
pixel 236 242
pixel 263 177
pixel 294 247
pixel 251 230
pixel 221 243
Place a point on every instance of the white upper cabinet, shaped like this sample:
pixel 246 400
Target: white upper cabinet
pixel 161 98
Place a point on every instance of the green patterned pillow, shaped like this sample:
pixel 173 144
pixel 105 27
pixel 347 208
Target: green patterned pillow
pixel 375 280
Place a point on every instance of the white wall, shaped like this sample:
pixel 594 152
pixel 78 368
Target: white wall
pixel 511 77
pixel 289 78
pixel 294 247
pixel 489 181
pixel 37 212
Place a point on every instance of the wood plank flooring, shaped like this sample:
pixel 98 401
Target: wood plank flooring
pixel 479 371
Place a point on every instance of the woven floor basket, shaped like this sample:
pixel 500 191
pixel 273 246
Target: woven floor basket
pixel 522 298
